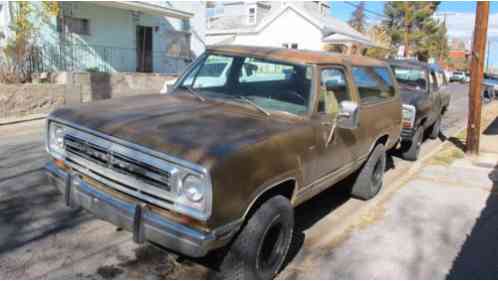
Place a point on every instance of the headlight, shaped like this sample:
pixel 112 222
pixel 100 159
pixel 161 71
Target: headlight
pixel 409 112
pixel 194 196
pixel 192 187
pixel 55 140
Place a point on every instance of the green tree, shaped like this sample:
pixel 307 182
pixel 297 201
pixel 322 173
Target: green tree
pixel 412 24
pixel 20 48
pixel 381 38
pixel 441 44
pixel 358 18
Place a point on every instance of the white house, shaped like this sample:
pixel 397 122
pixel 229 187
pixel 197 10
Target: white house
pixel 112 36
pixel 299 25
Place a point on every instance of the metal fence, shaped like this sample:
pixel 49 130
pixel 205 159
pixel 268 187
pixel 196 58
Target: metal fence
pixel 72 57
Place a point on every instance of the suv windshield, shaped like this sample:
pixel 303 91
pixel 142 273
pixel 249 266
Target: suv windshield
pixel 410 77
pixel 271 86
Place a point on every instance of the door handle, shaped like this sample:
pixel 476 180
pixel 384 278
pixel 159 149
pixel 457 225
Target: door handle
pixel 326 123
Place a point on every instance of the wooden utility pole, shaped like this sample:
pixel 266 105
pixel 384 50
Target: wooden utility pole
pixel 476 68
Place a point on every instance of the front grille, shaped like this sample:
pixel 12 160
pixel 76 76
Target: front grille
pixel 407 133
pixel 117 162
pixel 124 169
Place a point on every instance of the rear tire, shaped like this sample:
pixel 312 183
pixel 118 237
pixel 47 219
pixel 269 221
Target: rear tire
pixel 371 176
pixel 436 128
pixel 260 249
pixel 410 150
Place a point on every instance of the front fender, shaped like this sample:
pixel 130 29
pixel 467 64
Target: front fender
pixel 241 178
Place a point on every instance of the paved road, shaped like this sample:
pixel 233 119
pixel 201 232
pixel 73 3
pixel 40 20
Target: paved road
pixel 41 238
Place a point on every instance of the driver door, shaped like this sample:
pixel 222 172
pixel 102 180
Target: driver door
pixel 333 144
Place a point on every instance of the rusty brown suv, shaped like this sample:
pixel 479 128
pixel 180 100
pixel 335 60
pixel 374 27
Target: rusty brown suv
pixel 219 162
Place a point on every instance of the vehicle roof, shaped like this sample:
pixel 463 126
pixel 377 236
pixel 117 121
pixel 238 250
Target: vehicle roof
pixel 409 63
pixel 293 55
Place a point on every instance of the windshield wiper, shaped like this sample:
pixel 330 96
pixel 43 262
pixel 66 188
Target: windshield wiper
pixel 243 98
pixel 194 93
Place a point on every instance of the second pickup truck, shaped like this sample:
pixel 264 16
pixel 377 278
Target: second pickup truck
pixel 424 101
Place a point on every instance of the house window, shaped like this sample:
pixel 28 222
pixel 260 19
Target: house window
pixel 251 16
pixel 186 25
pixel 290 45
pixel 74 25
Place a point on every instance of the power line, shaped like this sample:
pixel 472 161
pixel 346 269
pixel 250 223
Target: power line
pixel 366 10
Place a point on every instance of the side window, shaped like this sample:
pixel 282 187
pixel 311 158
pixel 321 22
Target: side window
pixel 255 70
pixel 387 82
pixel 333 90
pixel 374 83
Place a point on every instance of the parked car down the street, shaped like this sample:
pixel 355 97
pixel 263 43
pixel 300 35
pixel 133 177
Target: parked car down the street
pixel 458 76
pixel 218 164
pixel 423 104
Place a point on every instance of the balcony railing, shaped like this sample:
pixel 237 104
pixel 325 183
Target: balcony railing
pixel 72 57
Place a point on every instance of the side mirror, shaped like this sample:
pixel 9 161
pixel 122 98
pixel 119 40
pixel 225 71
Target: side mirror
pixel 348 116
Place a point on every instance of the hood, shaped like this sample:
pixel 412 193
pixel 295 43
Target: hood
pixel 178 125
pixel 411 96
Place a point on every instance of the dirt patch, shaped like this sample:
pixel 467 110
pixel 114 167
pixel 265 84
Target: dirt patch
pixel 151 262
pixel 109 272
pixel 446 156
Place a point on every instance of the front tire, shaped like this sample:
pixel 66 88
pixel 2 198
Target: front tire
pixel 436 128
pixel 371 177
pixel 411 150
pixel 260 249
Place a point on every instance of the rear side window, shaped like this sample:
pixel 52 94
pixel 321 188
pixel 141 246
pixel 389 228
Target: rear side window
pixel 255 70
pixel 333 90
pixel 374 84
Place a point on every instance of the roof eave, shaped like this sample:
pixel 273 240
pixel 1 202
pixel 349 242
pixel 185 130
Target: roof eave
pixel 147 8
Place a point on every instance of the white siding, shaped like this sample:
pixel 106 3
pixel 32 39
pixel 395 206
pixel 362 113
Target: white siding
pixel 197 23
pixel 289 27
pixel 4 22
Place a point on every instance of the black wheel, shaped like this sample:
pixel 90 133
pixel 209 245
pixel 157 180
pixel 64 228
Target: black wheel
pixel 436 128
pixel 260 249
pixel 411 149
pixel 371 176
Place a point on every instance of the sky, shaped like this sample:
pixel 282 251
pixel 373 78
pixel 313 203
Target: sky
pixel 459 18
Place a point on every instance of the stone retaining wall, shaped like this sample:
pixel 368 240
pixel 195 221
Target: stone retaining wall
pixel 73 88
pixel 98 86
pixel 26 99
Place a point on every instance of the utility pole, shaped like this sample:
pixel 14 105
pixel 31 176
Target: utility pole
pixel 476 68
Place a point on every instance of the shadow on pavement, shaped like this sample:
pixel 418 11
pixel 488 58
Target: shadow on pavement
pixel 458 143
pixel 492 129
pixel 478 256
pixel 30 209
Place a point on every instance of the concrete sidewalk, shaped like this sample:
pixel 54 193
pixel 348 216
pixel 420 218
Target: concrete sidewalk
pixel 441 224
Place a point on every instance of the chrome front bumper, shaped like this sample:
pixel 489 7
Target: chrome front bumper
pixel 145 224
pixel 407 134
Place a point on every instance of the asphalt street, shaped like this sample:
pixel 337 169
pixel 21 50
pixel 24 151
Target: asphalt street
pixel 41 238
